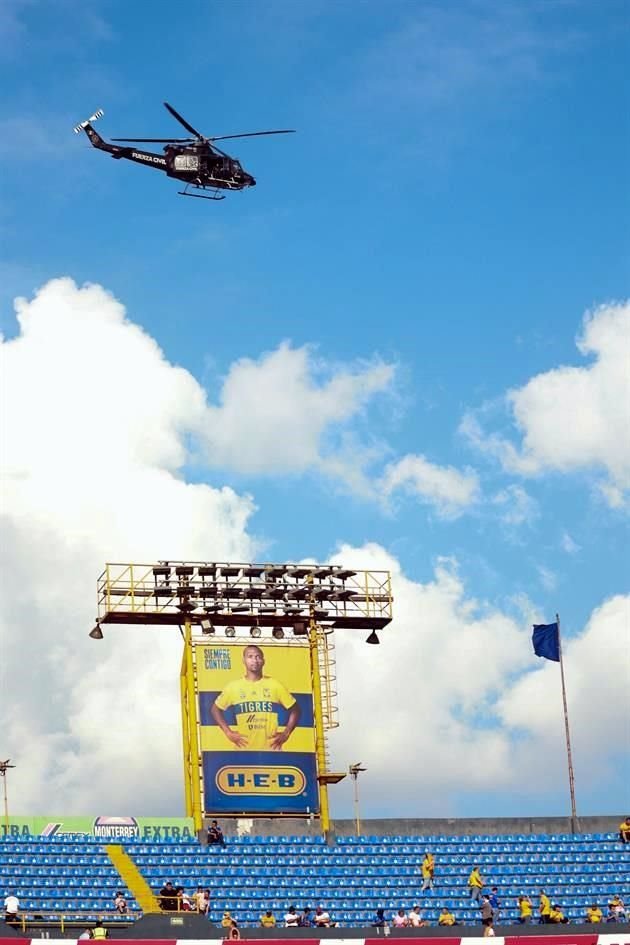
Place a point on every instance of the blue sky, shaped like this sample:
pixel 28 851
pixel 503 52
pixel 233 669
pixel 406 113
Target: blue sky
pixel 454 201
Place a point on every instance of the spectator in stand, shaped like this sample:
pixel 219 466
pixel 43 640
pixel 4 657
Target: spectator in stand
pixel 120 903
pixel 321 918
pixel 486 911
pixel 215 834
pixel 594 914
pixel 400 920
pixel 305 921
pixel 228 921
pixel 447 917
pixel 183 900
pixel 544 908
pixel 99 932
pixel 11 908
pixel 291 919
pixel 168 897
pixel 495 902
pixel 557 916
pixel 617 908
pixel 415 918
pixel 525 910
pixel 201 904
pixel 624 831
pixel 379 922
pixel 475 884
pixel 428 870
pixel 268 920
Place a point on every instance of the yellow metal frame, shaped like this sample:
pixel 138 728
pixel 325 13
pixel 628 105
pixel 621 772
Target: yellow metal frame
pixel 190 731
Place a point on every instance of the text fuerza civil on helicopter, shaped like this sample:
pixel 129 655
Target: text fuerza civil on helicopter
pixel 196 161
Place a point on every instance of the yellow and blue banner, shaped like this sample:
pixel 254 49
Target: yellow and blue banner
pixel 257 730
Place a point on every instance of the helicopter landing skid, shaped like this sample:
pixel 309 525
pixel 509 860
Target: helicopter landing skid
pixel 215 196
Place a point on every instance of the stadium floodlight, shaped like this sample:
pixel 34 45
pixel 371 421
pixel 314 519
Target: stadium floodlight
pixel 278 633
pixel 255 631
pixel 96 633
pixel 206 626
pixel 230 632
pixel 373 637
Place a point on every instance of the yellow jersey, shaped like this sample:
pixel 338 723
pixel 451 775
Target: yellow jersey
pixel 525 907
pixel 446 918
pixel 545 905
pixel 475 879
pixel 556 915
pixel 428 865
pixel 594 915
pixel 255 704
pixel 267 921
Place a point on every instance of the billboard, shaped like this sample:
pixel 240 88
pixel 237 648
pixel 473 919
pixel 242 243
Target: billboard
pixel 257 734
pixel 105 827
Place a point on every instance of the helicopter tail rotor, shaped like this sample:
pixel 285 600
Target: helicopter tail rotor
pixel 83 125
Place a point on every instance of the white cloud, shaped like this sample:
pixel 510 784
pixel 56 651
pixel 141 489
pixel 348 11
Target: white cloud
pixel 276 413
pixel 94 425
pixel 569 545
pixel 455 687
pixel 448 489
pixel 516 506
pixel 573 418
pixel 547 577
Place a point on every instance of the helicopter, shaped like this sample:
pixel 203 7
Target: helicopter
pixel 196 160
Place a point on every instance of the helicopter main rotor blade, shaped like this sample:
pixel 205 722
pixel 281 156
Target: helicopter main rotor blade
pixel 255 134
pixel 157 140
pixel 182 121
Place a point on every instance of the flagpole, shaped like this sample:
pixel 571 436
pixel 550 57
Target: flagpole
pixel 567 733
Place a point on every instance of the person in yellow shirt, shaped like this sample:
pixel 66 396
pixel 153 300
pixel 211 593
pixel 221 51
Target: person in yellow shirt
pixel 427 869
pixel 594 914
pixel 256 700
pixel 227 921
pixel 525 910
pixel 557 915
pixel 544 908
pixel 624 831
pixel 268 920
pixel 475 884
pixel 447 918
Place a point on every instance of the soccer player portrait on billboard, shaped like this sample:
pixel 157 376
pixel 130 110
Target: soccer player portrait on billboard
pixel 256 700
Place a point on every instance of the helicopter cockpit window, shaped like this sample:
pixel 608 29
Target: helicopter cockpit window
pixel 186 162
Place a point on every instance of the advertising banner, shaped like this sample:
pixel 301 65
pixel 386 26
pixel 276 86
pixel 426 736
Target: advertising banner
pixel 257 729
pixel 106 827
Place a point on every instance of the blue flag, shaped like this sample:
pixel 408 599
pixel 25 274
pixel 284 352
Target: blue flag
pixel 546 640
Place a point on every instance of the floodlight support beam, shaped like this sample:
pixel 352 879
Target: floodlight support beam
pixel 190 732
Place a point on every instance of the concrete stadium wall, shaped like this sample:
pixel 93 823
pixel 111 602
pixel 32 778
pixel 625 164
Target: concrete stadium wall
pixel 418 827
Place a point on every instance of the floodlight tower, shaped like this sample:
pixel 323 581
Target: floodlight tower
pixel 354 771
pixel 4 767
pixel 288 603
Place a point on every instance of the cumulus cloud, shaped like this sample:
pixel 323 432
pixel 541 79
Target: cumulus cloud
pixel 96 430
pixel 454 691
pixel 95 423
pixel 447 489
pixel 573 418
pixel 274 412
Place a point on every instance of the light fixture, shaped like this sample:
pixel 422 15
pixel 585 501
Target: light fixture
pixel 96 633
pixel 206 626
pixel 230 632
pixel 278 633
pixel 255 632
pixel 373 638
